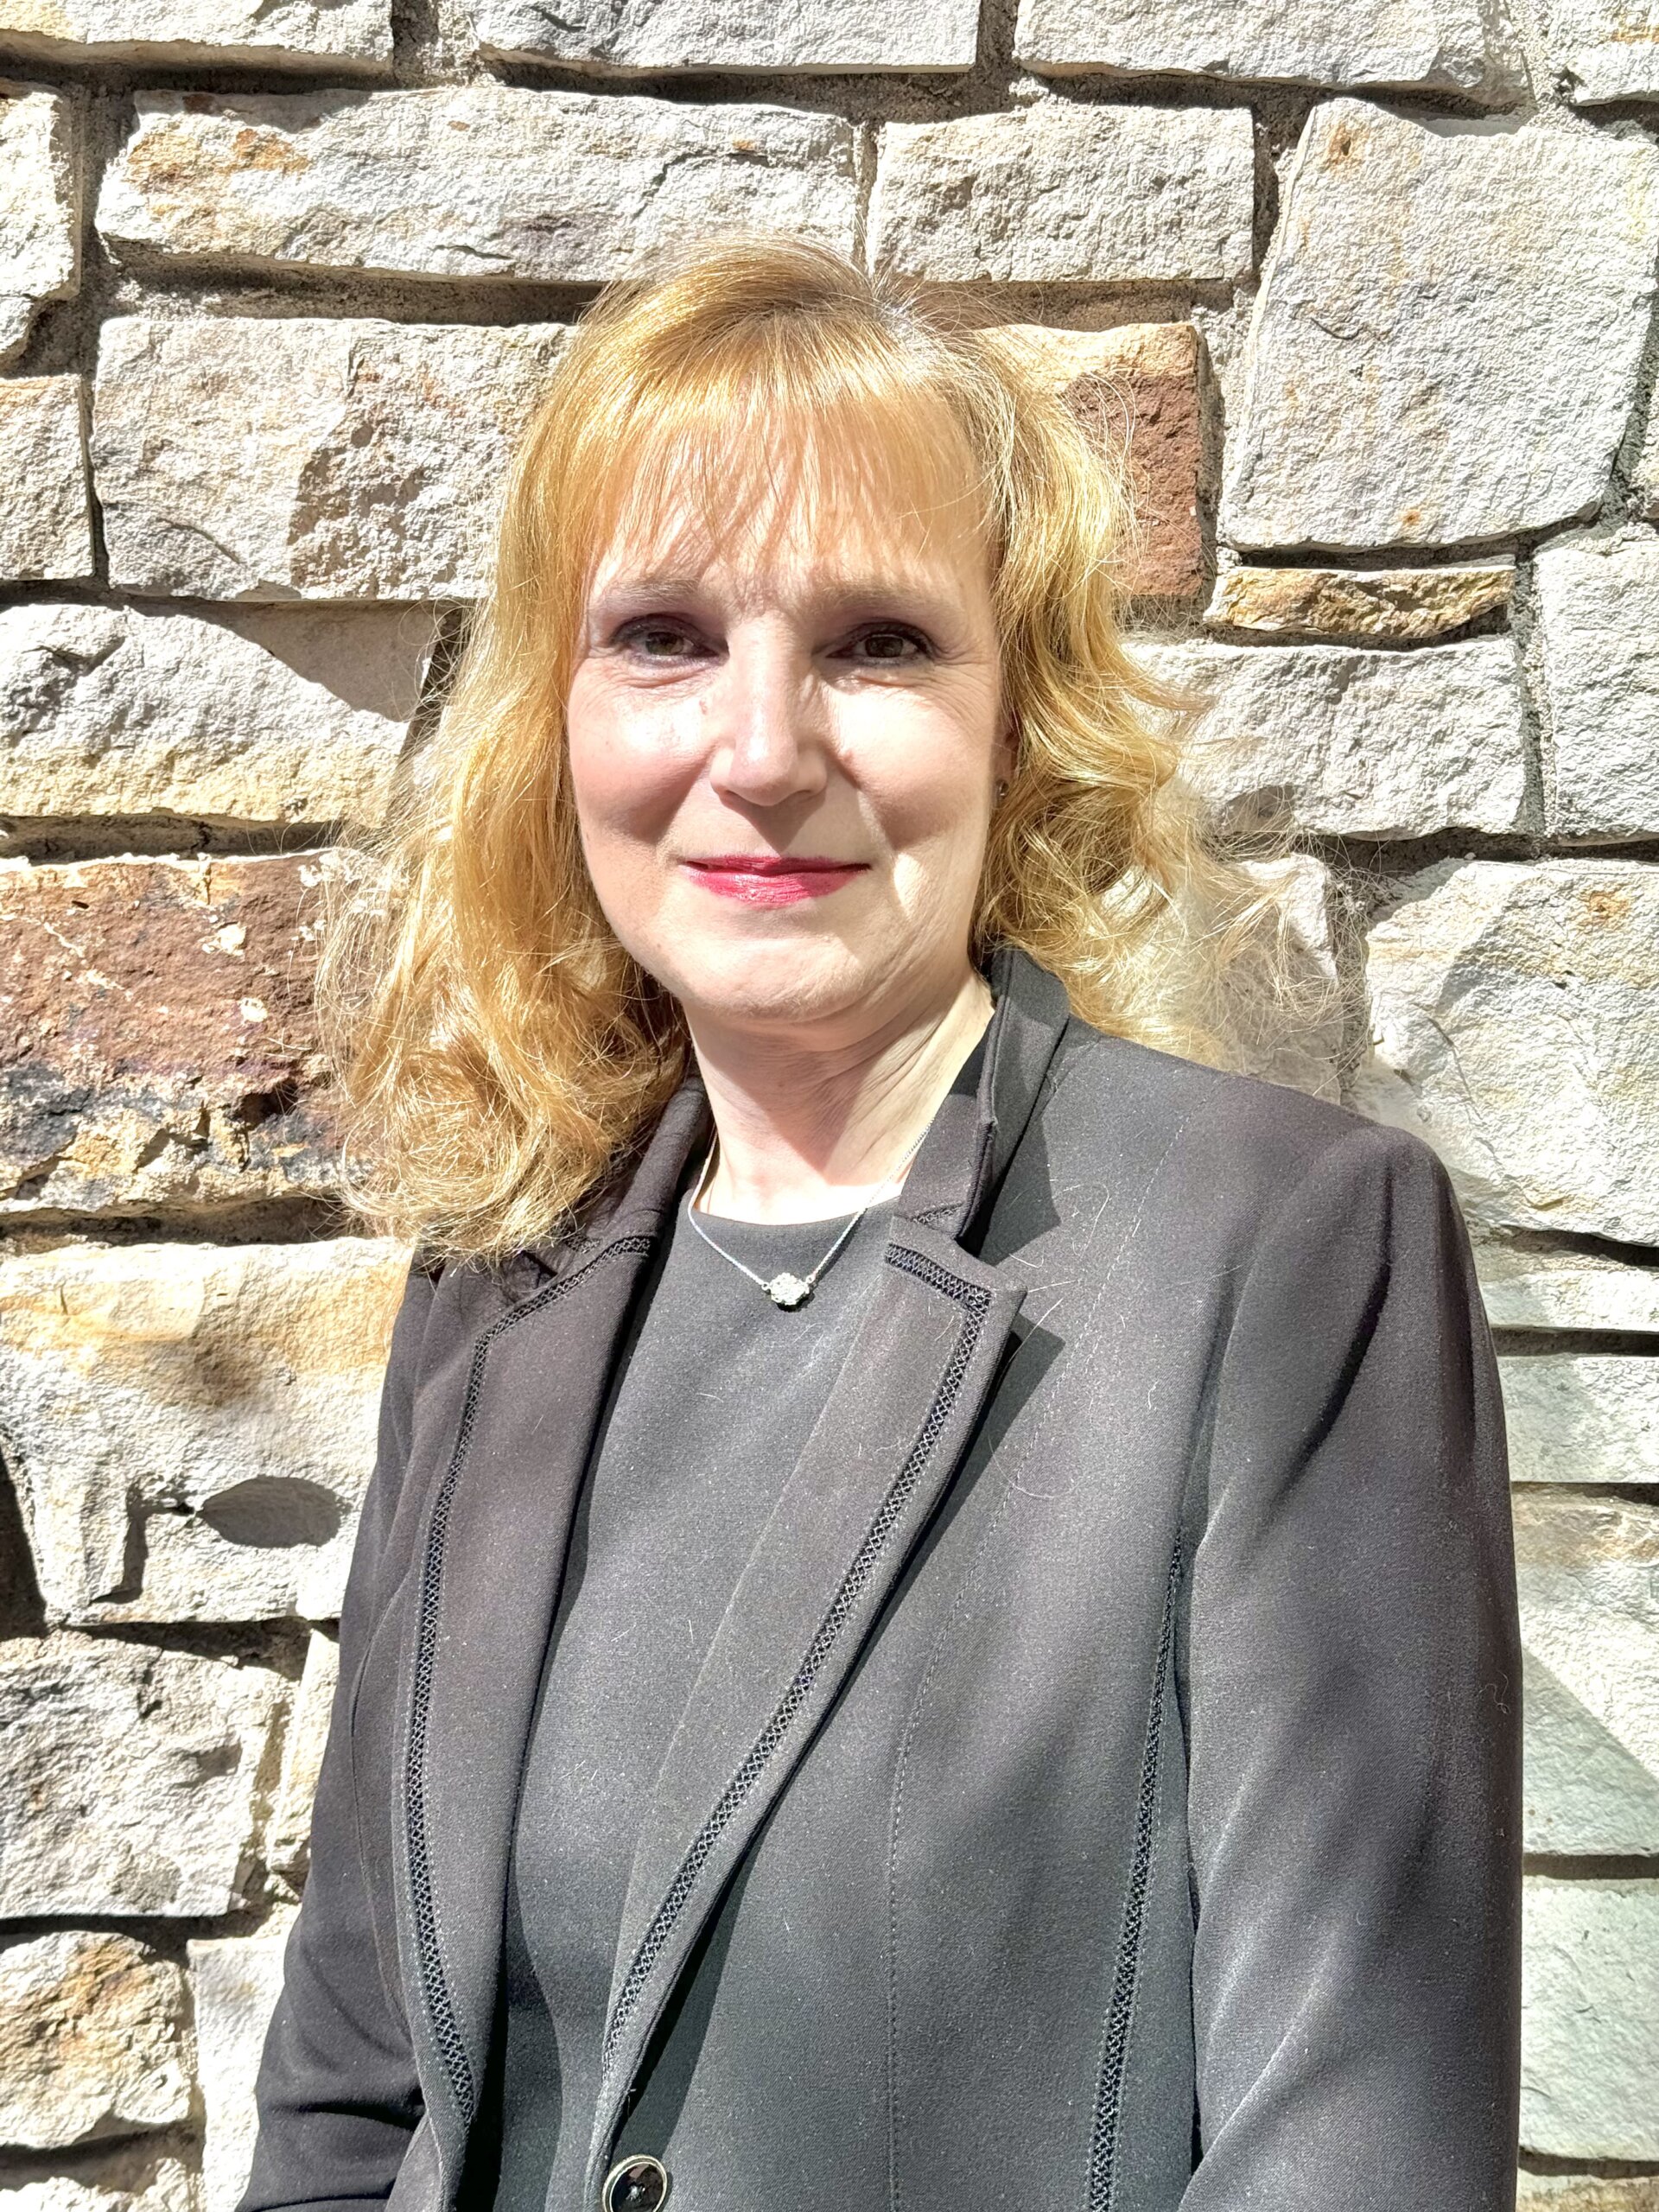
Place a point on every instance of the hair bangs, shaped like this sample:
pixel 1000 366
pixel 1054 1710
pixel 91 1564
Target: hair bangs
pixel 785 419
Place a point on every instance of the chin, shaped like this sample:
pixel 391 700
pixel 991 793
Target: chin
pixel 783 982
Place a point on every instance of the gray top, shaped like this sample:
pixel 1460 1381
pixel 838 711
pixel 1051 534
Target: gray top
pixel 717 1392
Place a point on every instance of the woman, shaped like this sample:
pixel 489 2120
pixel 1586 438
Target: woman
pixel 934 1624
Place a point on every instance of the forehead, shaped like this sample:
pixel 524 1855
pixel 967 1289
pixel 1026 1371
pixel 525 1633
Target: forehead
pixel 848 495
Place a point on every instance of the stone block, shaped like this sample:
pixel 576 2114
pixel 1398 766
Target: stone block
pixel 1139 388
pixel 257 715
pixel 190 1427
pixel 853 35
pixel 1429 363
pixel 332 35
pixel 130 1777
pixel 1599 614
pixel 1058 193
pixel 1590 2037
pixel 288 1843
pixel 91 2040
pixel 132 2178
pixel 1424 45
pixel 236 1980
pixel 1587 2193
pixel 1528 1288
pixel 1345 742
pixel 46 520
pixel 1587 1574
pixel 1515 1026
pixel 371 455
pixel 1396 607
pixel 158 1043
pixel 1604 49
pixel 476 181
pixel 1582 1417
pixel 39 207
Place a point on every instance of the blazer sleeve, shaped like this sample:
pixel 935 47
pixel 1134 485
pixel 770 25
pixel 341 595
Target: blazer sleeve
pixel 336 2096
pixel 1351 1675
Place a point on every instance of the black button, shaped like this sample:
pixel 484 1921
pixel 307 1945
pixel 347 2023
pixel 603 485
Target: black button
pixel 638 2184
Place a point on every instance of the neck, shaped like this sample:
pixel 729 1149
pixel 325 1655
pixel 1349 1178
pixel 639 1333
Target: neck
pixel 807 1131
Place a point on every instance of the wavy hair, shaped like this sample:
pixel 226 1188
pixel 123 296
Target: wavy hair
pixel 500 1053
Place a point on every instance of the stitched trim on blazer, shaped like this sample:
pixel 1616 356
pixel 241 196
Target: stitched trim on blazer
pixel 446 2029
pixel 1115 2035
pixel 975 1301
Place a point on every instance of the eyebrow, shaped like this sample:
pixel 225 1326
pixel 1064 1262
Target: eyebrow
pixel 668 584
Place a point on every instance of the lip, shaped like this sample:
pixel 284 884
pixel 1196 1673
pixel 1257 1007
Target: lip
pixel 772 878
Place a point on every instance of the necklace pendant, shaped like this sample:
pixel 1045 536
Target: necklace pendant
pixel 788 1291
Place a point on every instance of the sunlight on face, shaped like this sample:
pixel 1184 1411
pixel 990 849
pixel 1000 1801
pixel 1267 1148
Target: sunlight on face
pixel 782 753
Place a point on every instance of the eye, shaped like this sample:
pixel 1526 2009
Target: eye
pixel 661 638
pixel 887 644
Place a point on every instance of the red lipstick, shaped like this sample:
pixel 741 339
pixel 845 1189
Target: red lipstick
pixel 772 879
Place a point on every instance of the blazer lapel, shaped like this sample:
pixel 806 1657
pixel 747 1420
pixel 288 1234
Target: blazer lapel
pixel 490 1566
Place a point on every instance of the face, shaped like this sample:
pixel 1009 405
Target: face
pixel 782 753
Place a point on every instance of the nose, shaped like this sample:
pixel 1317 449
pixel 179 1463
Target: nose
pixel 766 720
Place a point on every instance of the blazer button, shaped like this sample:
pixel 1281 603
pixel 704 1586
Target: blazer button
pixel 638 2184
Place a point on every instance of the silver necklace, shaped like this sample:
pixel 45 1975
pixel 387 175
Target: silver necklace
pixel 784 1289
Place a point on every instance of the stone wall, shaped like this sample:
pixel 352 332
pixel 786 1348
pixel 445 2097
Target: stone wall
pixel 1369 286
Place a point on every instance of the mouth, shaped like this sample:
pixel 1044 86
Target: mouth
pixel 772 879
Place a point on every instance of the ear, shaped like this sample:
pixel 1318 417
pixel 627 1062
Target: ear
pixel 1005 757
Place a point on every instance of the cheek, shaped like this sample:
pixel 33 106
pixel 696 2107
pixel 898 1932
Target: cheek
pixel 631 761
pixel 927 764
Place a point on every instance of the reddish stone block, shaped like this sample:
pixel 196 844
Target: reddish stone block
pixel 1141 390
pixel 157 1044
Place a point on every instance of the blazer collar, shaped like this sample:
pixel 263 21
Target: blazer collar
pixel 978 1126
pixel 509 1468
pixel 954 1177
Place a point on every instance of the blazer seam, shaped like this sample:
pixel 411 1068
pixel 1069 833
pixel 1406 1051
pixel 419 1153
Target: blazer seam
pixel 1115 2030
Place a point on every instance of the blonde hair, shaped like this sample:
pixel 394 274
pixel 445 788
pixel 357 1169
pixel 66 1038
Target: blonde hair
pixel 501 1053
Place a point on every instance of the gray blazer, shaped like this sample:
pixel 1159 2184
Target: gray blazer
pixel 1102 1790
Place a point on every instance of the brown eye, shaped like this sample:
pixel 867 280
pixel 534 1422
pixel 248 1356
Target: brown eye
pixel 890 645
pixel 658 640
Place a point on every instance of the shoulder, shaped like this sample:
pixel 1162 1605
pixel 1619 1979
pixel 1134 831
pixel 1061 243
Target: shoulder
pixel 1225 1147
pixel 446 1304
pixel 1296 1236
